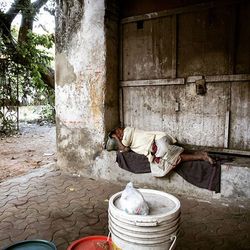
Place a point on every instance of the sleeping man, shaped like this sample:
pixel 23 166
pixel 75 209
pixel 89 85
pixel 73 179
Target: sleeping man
pixel 159 147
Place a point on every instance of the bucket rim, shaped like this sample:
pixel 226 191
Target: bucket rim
pixel 92 237
pixel 145 235
pixel 145 218
pixel 145 242
pixel 19 243
pixel 129 223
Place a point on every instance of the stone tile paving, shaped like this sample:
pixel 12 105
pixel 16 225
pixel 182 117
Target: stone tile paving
pixel 59 207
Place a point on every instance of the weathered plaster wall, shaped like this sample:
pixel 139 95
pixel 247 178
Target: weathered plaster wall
pixel 87 101
pixel 83 79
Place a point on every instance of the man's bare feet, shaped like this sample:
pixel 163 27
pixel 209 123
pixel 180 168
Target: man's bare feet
pixel 196 156
pixel 204 156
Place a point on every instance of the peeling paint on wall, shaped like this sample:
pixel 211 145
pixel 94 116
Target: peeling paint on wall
pixel 64 70
pixel 81 84
pixel 96 100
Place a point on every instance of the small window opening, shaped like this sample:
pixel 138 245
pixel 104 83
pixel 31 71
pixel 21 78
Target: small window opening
pixel 139 25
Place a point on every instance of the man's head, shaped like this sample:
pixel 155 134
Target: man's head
pixel 118 132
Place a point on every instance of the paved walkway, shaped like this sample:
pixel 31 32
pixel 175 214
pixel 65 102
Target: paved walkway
pixel 54 206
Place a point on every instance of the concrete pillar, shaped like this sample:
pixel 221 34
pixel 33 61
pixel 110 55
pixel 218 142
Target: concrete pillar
pixel 86 80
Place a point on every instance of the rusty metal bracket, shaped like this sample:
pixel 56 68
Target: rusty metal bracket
pixel 201 88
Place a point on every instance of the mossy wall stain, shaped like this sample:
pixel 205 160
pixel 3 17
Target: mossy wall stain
pixel 68 21
pixel 76 147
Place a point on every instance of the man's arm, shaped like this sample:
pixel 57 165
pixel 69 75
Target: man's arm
pixel 121 147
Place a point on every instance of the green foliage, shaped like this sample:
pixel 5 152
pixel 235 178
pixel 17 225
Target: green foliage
pixel 26 79
pixel 14 32
pixel 7 124
pixel 25 58
pixel 48 113
pixel 2 47
pixel 35 53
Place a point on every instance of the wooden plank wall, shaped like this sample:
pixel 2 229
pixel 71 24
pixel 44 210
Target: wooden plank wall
pixel 144 56
pixel 240 116
pixel 159 54
pixel 203 44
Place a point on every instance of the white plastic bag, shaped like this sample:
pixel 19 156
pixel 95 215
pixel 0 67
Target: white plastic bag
pixel 132 201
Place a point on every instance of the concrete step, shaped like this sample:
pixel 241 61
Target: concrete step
pixel 235 176
pixel 235 179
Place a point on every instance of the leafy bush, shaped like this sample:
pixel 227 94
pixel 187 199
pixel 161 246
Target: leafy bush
pixel 48 114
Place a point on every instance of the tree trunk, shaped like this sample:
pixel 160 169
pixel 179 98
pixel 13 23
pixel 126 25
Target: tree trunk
pixel 28 11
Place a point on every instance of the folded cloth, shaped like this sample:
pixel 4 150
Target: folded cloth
pixel 133 162
pixel 202 174
pixel 198 173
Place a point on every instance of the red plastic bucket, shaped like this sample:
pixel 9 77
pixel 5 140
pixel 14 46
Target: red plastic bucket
pixel 97 242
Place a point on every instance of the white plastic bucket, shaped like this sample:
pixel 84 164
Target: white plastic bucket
pixel 156 231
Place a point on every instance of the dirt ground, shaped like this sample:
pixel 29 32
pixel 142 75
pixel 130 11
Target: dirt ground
pixel 33 147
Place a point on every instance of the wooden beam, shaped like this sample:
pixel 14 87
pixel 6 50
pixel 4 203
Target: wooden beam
pixel 157 82
pixel 193 79
pixel 228 78
pixel 192 8
pixel 216 150
pixel 190 79
pixel 220 78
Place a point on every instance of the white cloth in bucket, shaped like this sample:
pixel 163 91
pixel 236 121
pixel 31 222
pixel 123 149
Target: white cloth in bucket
pixel 132 201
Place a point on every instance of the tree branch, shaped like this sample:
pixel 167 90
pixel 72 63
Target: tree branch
pixel 28 16
pixel 15 8
pixel 49 77
pixel 28 13
pixel 38 4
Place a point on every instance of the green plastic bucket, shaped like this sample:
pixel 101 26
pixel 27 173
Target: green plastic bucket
pixel 32 245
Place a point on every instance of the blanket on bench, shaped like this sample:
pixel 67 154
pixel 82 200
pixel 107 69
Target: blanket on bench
pixel 198 173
